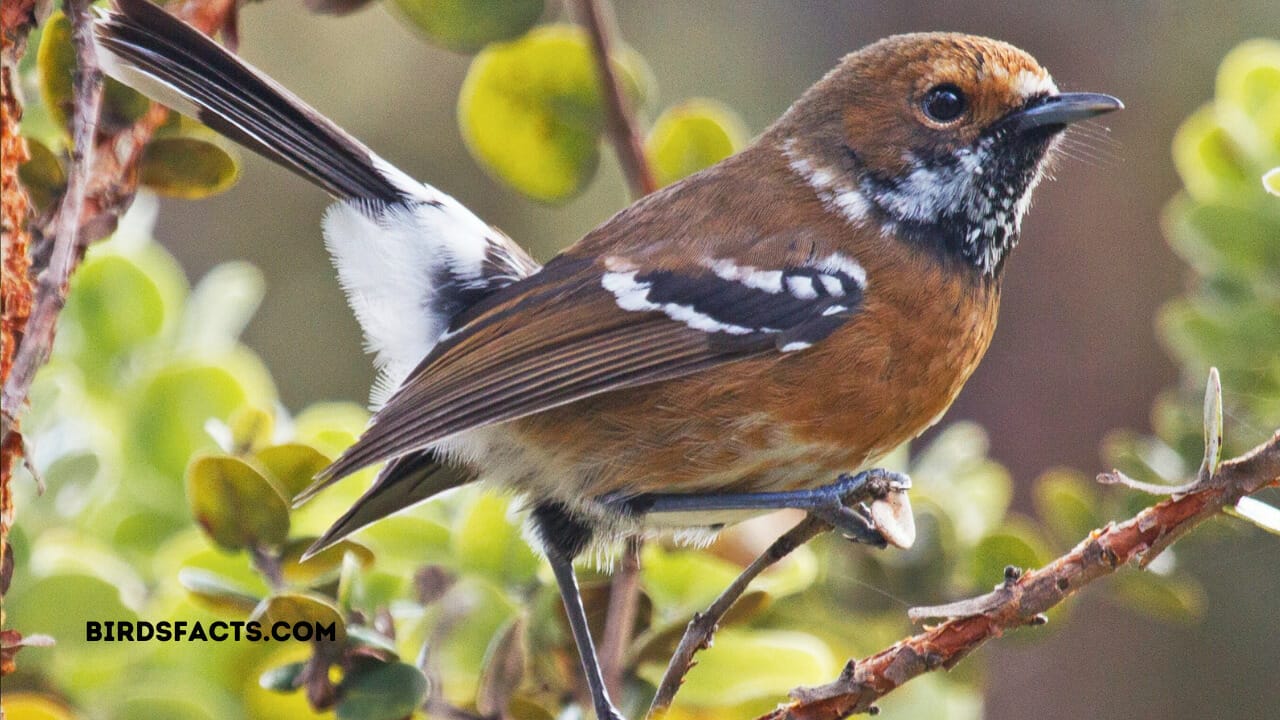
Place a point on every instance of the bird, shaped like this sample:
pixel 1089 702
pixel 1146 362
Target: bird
pixel 743 340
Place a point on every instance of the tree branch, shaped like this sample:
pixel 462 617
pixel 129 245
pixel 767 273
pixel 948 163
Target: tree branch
pixel 621 121
pixel 697 636
pixel 102 181
pixel 51 287
pixel 1024 597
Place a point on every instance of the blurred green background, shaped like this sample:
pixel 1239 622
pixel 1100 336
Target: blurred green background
pixel 1075 358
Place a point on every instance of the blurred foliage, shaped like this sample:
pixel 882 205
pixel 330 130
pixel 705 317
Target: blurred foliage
pixel 1227 227
pixel 186 160
pixel 171 466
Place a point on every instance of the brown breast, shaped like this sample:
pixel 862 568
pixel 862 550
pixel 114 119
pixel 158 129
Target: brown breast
pixel 789 420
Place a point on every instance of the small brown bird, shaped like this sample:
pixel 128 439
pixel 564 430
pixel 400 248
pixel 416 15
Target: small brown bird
pixel 732 344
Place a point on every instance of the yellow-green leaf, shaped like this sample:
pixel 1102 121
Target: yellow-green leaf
pixel 235 505
pixel 322 567
pixel 1271 181
pixel 468 25
pixel 531 111
pixel 292 465
pixel 488 541
pixel 56 63
pixel 745 665
pixel 306 608
pixel 187 167
pixel 217 592
pixel 691 136
pixel 42 175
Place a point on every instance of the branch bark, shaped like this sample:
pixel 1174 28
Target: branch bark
pixel 619 116
pixel 1024 597
pixel 102 181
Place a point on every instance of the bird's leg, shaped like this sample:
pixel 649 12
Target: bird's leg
pixel 839 503
pixel 563 539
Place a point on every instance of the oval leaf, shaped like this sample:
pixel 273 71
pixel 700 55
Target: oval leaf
pixel 217 592
pixel 235 505
pixel 292 465
pixel 531 112
pixel 382 691
pixel 1015 543
pixel 323 567
pixel 294 608
pixel 56 63
pixel 186 167
pixel 42 175
pixel 692 136
pixel 285 678
pixel 468 25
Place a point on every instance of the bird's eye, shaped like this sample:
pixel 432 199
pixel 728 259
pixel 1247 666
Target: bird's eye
pixel 943 103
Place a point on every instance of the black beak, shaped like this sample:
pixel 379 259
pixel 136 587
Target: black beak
pixel 1062 109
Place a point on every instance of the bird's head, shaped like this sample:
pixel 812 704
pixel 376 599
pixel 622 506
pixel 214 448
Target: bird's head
pixel 938 138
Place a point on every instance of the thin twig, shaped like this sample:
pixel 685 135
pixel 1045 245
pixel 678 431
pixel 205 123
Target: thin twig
pixel 620 618
pixel 621 121
pixel 1024 597
pixel 51 288
pixel 697 635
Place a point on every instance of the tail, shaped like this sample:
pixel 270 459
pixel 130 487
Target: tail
pixel 409 256
pixel 145 47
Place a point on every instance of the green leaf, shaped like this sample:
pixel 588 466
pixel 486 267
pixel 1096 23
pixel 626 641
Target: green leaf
pixel 294 608
pixel 1249 79
pixel 284 678
pixel 186 167
pixel 531 112
pixel 216 592
pixel 220 307
pixel 235 505
pixel 468 25
pixel 382 691
pixel 1067 503
pixel 488 541
pixel 56 62
pixel 292 465
pixel 1166 598
pixel 42 175
pixel 172 407
pixel 691 136
pixel 116 304
pixel 1271 181
pixel 322 567
pixel 1212 166
pixel 746 665
pixel 1016 543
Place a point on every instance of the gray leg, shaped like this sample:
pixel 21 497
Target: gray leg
pixel 829 502
pixel 563 538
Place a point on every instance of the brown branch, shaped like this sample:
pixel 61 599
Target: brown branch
pixel 620 617
pixel 620 120
pixel 51 286
pixel 1024 597
pixel 697 636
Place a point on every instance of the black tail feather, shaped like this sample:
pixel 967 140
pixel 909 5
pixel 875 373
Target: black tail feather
pixel 240 102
